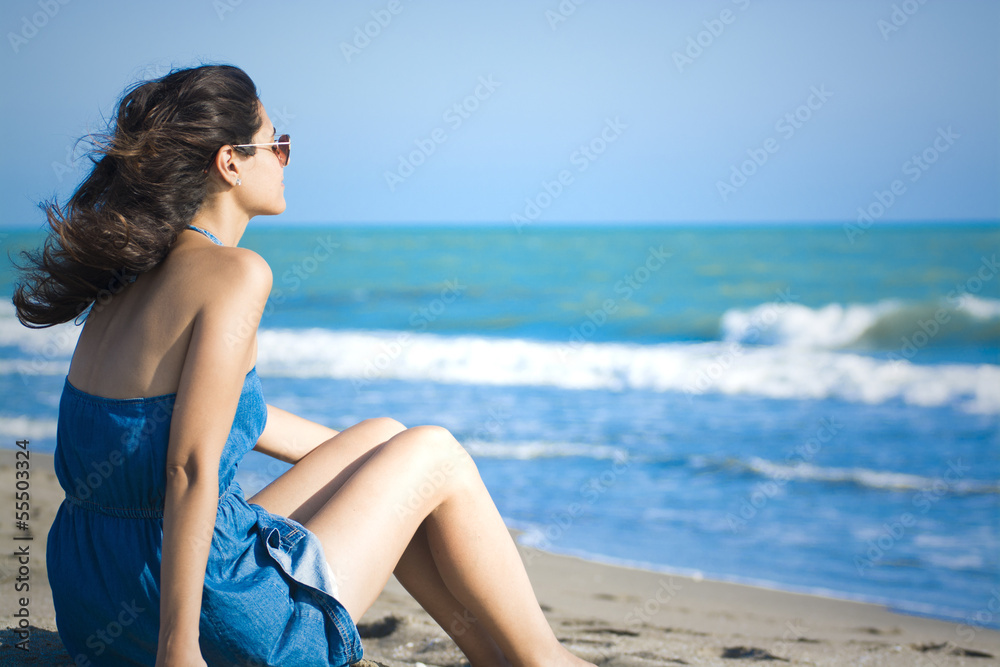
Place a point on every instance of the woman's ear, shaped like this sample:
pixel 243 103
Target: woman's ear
pixel 225 165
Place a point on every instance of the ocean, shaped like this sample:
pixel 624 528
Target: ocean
pixel 813 408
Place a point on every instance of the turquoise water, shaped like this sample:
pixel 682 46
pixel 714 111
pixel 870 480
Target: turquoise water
pixel 773 404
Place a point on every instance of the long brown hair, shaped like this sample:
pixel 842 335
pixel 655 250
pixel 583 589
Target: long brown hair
pixel 147 183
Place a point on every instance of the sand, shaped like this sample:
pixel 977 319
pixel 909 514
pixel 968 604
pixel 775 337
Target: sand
pixel 612 616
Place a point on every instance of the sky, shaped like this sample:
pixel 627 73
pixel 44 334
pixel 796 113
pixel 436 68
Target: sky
pixel 548 111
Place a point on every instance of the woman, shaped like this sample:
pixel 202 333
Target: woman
pixel 155 555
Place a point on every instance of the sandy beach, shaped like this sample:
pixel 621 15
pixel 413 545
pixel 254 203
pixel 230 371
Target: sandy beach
pixel 613 616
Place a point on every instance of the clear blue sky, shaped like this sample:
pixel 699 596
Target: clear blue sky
pixel 886 80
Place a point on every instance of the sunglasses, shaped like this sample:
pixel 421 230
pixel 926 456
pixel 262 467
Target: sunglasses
pixel 281 148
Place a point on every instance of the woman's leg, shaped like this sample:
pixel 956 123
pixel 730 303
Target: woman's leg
pixel 423 477
pixel 308 485
pixel 418 573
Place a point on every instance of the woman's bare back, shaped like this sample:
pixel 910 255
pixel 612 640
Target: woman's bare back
pixel 134 345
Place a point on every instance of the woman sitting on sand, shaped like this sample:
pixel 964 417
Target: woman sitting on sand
pixel 155 539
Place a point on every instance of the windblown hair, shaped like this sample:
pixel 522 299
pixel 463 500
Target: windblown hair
pixel 147 183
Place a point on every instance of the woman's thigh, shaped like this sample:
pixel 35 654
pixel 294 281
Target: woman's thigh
pixel 300 491
pixel 368 523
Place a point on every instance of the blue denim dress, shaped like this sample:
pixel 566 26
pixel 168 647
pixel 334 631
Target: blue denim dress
pixel 268 597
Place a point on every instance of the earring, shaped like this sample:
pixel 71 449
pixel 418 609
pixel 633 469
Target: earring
pixel 238 181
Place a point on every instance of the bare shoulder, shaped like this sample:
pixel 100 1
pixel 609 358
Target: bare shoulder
pixel 244 270
pixel 230 287
pixel 229 274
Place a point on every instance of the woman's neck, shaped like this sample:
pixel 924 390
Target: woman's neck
pixel 223 218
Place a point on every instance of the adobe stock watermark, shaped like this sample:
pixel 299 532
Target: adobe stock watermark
pixel 899 17
pixel 154 70
pixel 305 268
pixel 432 482
pixel 927 329
pixel 364 34
pixel 761 320
pixel 454 116
pixel 793 633
pixel 57 346
pixel 493 424
pixel 982 618
pixel 590 491
pixel 281 119
pixel 629 284
pixel 30 27
pixel 892 532
pixel 762 492
pixel 70 164
pixel 581 158
pixel 915 167
pixel 666 590
pixel 419 320
pixel 704 39
pixel 292 279
pixel 101 639
pixel 562 13
pixel 224 7
pixel 99 472
pixel 786 127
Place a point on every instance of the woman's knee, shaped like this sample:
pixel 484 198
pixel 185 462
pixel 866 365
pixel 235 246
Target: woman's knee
pixel 381 428
pixel 435 450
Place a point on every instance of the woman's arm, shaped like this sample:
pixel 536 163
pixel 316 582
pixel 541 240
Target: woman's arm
pixel 210 386
pixel 288 437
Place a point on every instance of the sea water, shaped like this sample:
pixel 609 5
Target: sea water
pixel 807 407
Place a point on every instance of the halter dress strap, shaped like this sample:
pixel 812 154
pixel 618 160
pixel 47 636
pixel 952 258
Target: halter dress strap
pixel 206 233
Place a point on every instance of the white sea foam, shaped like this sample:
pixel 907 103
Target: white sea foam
pixel 833 326
pixel 983 309
pixel 873 479
pixel 524 451
pixel 830 326
pixel 34 366
pixel 783 371
pixel 700 368
pixel 20 427
pixel 926 541
pixel 47 342
pixel 962 561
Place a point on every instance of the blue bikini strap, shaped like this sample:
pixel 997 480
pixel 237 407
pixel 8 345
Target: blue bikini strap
pixel 207 233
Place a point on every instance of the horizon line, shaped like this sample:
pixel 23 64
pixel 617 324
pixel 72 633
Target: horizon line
pixel 590 223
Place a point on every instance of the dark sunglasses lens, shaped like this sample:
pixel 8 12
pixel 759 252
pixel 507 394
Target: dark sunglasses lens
pixel 284 148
